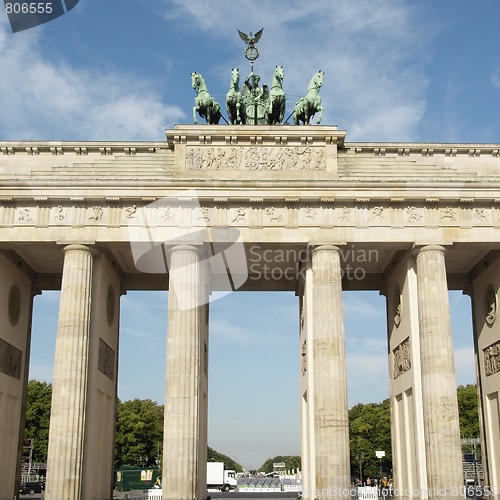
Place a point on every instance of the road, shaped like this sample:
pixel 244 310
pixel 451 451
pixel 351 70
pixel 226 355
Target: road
pixel 231 495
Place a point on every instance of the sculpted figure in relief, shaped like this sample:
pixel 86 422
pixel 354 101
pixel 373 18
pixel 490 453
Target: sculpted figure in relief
pixel 402 361
pixel 491 356
pixel 255 158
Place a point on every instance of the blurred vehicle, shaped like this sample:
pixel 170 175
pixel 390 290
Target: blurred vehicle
pixel 31 488
pixel 220 479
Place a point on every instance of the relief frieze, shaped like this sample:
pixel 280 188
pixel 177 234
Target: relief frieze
pixel 96 214
pixel 414 215
pixel 238 216
pixel 106 360
pixel 255 158
pixel 491 356
pixel 250 213
pixel 480 215
pixel 11 360
pixel 402 359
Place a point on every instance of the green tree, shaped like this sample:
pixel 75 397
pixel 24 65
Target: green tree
pixel 229 463
pixel 370 430
pixel 139 429
pixel 139 432
pixel 291 462
pixel 39 397
pixel 468 411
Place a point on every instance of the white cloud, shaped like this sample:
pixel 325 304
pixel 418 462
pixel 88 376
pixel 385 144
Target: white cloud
pixel 465 366
pixel 227 331
pixel 495 77
pixel 43 99
pixel 365 307
pixel 368 379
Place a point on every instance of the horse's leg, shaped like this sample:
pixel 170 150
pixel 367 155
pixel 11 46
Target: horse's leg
pixel 195 120
pixel 320 109
pixel 237 107
pixel 242 113
pixel 282 111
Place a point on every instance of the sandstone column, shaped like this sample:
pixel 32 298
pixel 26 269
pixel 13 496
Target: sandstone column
pixel 331 425
pixel 69 388
pixel 439 387
pixel 184 441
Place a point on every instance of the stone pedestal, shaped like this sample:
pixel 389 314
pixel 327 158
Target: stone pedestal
pixel 185 436
pixel 439 395
pixel 69 388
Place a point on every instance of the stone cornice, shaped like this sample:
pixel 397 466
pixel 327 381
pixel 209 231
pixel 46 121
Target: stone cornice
pixel 245 135
pixel 422 149
pixel 227 135
pixel 81 147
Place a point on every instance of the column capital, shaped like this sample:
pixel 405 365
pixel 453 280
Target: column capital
pixel 325 248
pixel 186 248
pixel 418 249
pixel 82 248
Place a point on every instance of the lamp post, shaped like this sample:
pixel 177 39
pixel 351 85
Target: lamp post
pixel 360 459
pixel 380 455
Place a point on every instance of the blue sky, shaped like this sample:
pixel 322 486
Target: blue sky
pixel 120 70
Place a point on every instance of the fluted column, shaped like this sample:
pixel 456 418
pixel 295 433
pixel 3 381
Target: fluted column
pixel 331 424
pixel 439 387
pixel 181 445
pixel 69 387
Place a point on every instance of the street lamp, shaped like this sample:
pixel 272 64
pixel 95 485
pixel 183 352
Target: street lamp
pixel 360 459
pixel 380 455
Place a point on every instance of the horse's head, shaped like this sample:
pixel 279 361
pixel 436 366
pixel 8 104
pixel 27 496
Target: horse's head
pixel 279 73
pixel 318 79
pixel 195 79
pixel 235 75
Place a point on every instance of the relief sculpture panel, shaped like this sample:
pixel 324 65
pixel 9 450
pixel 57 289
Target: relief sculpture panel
pixel 491 355
pixel 402 361
pixel 255 158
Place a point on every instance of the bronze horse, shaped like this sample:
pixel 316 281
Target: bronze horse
pixel 206 106
pixel 307 107
pixel 234 104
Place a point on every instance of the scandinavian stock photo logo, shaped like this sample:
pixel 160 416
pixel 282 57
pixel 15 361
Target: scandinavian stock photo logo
pixel 26 15
pixel 172 235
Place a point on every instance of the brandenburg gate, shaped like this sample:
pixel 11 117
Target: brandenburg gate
pixel 95 219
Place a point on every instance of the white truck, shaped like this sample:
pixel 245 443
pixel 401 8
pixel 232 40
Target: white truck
pixel 220 479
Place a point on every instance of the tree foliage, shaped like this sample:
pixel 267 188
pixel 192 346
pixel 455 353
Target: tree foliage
pixel 39 398
pixel 139 433
pixel 468 411
pixel 291 462
pixel 139 429
pixel 370 431
pixel 229 463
